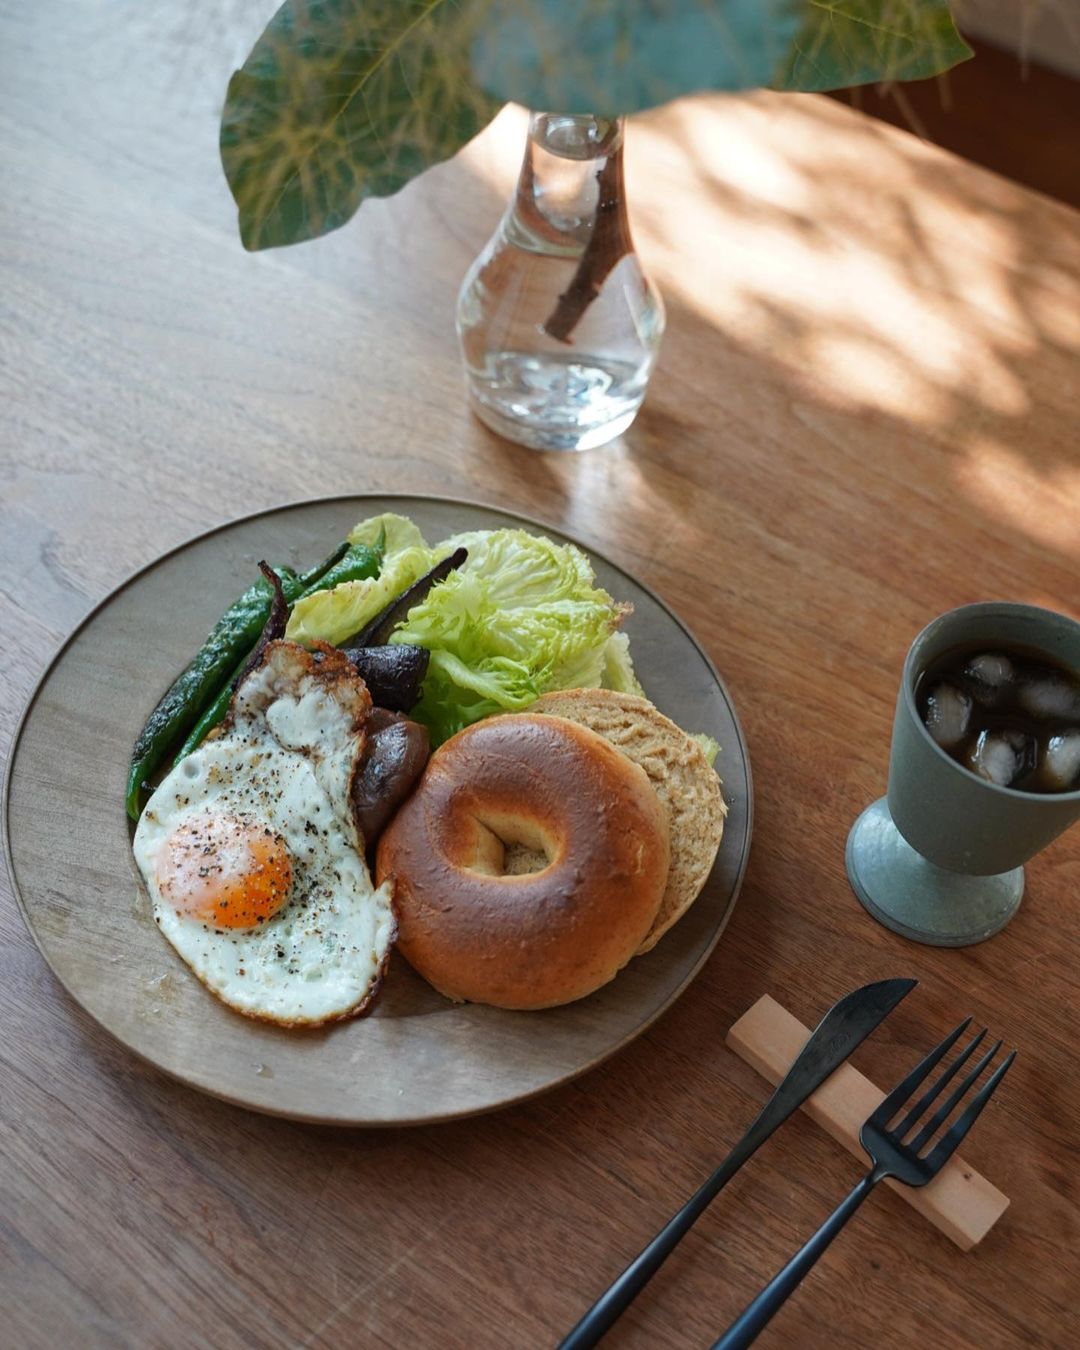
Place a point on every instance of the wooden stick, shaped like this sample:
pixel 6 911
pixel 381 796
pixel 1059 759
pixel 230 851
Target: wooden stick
pixel 963 1204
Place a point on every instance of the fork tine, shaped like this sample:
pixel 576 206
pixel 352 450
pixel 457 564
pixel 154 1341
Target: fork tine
pixel 899 1095
pixel 944 1149
pixel 943 1112
pixel 928 1096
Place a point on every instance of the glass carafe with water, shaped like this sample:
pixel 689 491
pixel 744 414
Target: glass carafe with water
pixel 559 325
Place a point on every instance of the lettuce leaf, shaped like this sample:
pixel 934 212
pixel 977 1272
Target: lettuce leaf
pixel 618 672
pixel 710 746
pixel 335 615
pixel 522 616
pixel 398 533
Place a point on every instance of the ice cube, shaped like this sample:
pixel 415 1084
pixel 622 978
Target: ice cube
pixel 1002 757
pixel 1061 764
pixel 989 676
pixel 1051 698
pixel 948 714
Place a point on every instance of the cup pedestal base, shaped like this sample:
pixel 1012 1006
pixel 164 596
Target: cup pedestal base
pixel 918 900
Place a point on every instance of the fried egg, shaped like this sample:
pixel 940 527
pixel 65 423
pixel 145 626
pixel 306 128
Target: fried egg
pixel 250 852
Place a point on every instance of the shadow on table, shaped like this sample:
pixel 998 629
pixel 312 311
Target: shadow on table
pixel 874 288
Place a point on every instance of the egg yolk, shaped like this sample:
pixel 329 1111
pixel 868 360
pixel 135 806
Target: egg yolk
pixel 225 872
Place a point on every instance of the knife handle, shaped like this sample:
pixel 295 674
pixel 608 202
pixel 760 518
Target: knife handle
pixel 615 1300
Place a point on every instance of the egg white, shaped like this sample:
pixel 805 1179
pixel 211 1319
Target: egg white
pixel 284 763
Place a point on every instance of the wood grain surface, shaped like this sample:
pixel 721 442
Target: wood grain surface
pixel 864 414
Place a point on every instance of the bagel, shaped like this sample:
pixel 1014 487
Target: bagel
pixel 482 933
pixel 684 780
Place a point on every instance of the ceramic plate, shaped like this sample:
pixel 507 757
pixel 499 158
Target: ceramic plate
pixel 416 1057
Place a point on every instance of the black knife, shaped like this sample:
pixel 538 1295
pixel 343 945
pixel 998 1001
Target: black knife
pixel 843 1028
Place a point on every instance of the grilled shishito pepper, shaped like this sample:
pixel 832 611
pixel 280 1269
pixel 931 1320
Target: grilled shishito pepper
pixel 209 677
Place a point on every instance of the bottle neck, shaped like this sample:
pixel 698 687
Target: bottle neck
pixel 571 174
pixel 576 136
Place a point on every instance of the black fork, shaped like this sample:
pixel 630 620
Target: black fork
pixel 909 1160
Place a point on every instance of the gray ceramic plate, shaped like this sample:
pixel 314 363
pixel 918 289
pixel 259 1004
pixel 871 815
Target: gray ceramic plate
pixel 417 1057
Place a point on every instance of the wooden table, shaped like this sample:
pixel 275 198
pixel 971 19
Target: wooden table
pixel 865 413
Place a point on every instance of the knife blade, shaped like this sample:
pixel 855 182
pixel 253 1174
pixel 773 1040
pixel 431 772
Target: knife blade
pixel 843 1028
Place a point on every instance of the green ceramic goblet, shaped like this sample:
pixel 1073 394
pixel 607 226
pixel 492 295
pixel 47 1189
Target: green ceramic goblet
pixel 940 858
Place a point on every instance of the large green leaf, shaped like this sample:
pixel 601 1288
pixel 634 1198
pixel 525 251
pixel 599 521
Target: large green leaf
pixel 617 56
pixel 848 42
pixel 346 99
pixel 342 100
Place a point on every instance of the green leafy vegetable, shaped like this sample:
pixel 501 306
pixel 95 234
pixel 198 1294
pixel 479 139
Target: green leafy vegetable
pixel 389 532
pixel 710 746
pixel 335 615
pixel 618 672
pixel 379 630
pixel 522 615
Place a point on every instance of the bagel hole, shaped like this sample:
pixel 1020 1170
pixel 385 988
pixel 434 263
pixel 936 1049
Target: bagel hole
pixel 519 860
pixel 512 847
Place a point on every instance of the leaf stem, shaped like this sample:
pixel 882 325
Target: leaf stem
pixel 608 242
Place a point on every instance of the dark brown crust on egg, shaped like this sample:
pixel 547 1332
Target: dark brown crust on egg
pixel 538 939
pixel 324 664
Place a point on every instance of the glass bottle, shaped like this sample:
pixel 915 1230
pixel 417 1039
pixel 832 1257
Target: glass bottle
pixel 559 325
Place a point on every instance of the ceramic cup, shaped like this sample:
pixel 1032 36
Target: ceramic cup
pixel 940 858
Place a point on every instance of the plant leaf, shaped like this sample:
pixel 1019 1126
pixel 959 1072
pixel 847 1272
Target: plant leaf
pixel 848 42
pixel 617 56
pixel 342 100
pixel 346 99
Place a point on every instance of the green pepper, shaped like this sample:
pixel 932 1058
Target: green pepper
pixel 358 562
pixel 214 714
pixel 230 640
